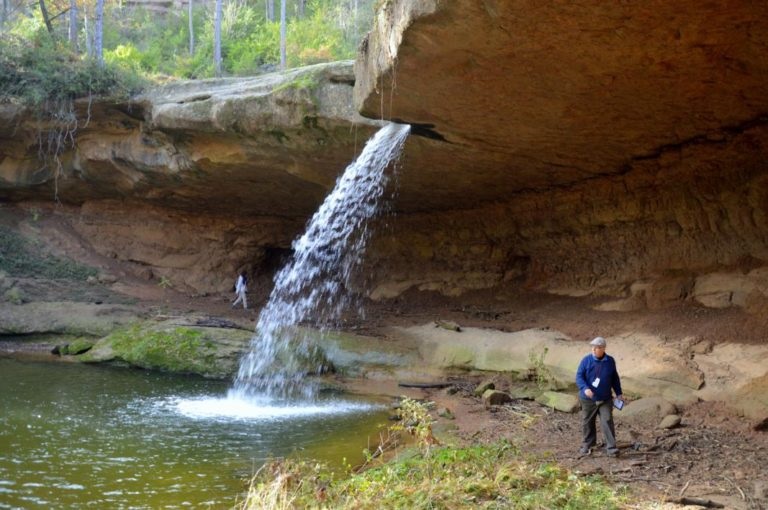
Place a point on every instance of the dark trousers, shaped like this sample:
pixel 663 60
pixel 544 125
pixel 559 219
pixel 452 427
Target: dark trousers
pixel 589 411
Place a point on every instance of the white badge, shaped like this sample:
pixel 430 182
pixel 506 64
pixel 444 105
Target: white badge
pixel 596 382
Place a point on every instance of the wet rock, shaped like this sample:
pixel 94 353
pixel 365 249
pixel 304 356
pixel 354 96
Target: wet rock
pixel 79 346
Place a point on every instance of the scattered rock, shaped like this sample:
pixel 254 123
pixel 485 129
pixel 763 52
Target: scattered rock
pixel 107 278
pixel 524 393
pixel 647 408
pixel 449 325
pixel 495 398
pixel 483 387
pixel 761 425
pixel 670 421
pixel 446 413
pixel 563 402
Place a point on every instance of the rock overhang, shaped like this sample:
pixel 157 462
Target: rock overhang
pixel 271 145
pixel 530 96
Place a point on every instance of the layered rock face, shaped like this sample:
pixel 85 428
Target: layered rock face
pixel 593 147
pixel 604 148
pixel 195 180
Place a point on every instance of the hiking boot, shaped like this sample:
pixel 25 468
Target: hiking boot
pixel 613 453
pixel 585 450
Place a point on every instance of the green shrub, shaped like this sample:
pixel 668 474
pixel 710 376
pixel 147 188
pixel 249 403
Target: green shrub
pixel 13 296
pixel 487 476
pixel 47 73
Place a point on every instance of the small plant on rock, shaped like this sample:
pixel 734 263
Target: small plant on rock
pixel 538 371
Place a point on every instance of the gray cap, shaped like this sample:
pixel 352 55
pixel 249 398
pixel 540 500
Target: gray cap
pixel 598 341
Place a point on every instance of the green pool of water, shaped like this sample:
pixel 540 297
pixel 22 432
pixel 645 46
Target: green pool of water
pixel 81 436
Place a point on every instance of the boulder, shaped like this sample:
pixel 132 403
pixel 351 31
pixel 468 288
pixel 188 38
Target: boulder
pixel 670 421
pixel 495 398
pixel 651 408
pixel 484 386
pixel 564 402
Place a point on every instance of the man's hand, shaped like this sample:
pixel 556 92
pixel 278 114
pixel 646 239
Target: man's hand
pixel 620 397
pixel 589 393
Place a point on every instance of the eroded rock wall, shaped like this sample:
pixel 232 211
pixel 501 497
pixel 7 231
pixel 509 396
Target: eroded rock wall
pixel 688 212
pixel 591 148
pixel 191 181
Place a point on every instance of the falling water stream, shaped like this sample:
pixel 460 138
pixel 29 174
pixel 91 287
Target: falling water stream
pixel 313 285
pixel 76 436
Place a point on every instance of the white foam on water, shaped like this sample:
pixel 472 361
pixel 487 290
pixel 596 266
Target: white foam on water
pixel 232 408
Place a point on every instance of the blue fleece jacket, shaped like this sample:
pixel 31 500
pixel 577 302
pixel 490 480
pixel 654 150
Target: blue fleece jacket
pixel 592 368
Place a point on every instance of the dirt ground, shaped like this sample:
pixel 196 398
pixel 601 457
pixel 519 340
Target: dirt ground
pixel 712 456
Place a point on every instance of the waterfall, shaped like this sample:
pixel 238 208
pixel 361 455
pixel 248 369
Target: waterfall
pixel 313 285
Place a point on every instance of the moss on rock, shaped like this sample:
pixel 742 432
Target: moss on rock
pixel 210 352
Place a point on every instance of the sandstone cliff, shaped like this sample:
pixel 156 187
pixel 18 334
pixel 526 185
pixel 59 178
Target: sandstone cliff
pixel 613 152
pixel 591 147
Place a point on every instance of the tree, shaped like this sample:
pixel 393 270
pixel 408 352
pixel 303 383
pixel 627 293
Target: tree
pixel 270 10
pixel 4 12
pixel 191 30
pixel 98 37
pixel 46 18
pixel 282 35
pixel 217 39
pixel 73 24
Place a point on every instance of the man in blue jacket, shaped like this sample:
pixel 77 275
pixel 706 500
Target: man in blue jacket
pixel 596 377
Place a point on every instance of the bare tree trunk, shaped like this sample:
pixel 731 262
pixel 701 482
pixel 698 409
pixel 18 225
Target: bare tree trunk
pixel 270 4
pixel 73 25
pixel 3 12
pixel 88 38
pixel 98 38
pixel 282 34
pixel 302 8
pixel 217 39
pixel 191 31
pixel 47 20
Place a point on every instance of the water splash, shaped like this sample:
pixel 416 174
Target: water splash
pixel 313 285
